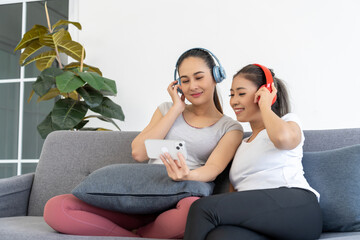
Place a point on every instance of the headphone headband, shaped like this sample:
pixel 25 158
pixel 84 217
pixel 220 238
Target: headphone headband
pixel 268 75
pixel 217 71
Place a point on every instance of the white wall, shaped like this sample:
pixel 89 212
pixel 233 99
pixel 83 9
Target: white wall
pixel 313 45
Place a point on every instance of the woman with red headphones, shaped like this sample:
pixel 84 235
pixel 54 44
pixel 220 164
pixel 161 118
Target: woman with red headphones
pixel 211 139
pixel 270 197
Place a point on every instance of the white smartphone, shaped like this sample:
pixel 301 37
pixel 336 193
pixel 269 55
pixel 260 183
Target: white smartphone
pixel 156 147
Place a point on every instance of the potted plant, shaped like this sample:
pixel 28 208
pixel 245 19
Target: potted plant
pixel 76 87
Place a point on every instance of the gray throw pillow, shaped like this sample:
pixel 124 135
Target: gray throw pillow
pixel 335 174
pixel 137 188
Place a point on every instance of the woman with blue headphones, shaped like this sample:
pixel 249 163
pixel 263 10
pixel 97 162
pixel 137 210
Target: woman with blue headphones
pixel 211 139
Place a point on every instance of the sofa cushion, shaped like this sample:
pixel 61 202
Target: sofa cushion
pixel 35 228
pixel 137 188
pixel 335 174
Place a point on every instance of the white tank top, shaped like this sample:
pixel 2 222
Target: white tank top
pixel 260 165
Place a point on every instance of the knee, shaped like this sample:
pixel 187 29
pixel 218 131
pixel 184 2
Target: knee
pixel 199 207
pixel 186 203
pixel 215 234
pixel 54 207
pixel 56 202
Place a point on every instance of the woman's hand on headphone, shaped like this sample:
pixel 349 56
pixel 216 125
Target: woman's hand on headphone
pixel 177 169
pixel 177 100
pixel 264 97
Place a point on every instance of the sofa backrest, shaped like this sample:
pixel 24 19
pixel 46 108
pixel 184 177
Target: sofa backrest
pixel 321 140
pixel 68 157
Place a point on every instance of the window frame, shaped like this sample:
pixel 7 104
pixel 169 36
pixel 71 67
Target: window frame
pixel 73 14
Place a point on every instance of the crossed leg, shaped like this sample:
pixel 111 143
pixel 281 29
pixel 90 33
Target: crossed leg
pixel 169 224
pixel 70 215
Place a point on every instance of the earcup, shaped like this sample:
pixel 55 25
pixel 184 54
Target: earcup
pixel 219 74
pixel 222 73
pixel 268 86
pixel 179 82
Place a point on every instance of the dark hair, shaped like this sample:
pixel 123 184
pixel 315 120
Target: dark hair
pixel 256 75
pixel 208 59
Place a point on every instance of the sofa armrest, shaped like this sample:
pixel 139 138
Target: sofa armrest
pixel 14 195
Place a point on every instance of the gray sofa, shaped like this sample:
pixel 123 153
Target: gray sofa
pixel 68 157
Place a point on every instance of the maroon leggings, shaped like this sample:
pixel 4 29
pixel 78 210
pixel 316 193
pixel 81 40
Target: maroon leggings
pixel 68 214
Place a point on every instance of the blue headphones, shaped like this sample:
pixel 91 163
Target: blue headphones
pixel 217 71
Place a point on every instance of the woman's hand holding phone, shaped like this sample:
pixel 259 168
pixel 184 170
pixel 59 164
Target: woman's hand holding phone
pixel 179 101
pixel 177 169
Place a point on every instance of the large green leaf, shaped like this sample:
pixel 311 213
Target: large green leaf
pixel 71 48
pixel 31 35
pixel 92 97
pixel 44 63
pixel 52 39
pixel 81 124
pixel 74 95
pixel 93 79
pixel 45 55
pixel 53 92
pixel 51 73
pixel 77 64
pixel 77 70
pixel 41 87
pixel 29 50
pixel 94 129
pixel 46 80
pixel 68 113
pixel 105 119
pixel 68 82
pixel 109 87
pixel 65 22
pixel 46 126
pixel 109 109
pixel 66 36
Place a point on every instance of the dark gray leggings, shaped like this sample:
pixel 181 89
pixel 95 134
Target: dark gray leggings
pixel 280 213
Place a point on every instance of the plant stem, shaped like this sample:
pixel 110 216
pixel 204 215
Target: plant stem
pixel 47 18
pixel 58 57
pixel 82 59
pixel 51 30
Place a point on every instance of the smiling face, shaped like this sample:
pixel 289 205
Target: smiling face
pixel 197 82
pixel 242 95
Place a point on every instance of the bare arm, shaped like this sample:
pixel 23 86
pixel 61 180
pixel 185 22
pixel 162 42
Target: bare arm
pixel 217 162
pixel 284 135
pixel 158 127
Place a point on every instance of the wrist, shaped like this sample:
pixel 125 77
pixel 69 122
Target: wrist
pixel 177 108
pixel 191 176
pixel 264 107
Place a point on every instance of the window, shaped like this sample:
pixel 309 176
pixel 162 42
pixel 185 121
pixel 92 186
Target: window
pixel 20 143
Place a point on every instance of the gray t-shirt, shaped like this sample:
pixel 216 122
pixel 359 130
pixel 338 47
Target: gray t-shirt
pixel 200 142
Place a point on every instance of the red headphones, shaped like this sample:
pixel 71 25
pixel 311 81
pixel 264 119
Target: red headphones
pixel 269 79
